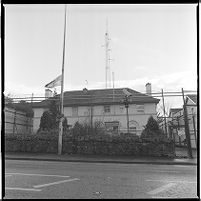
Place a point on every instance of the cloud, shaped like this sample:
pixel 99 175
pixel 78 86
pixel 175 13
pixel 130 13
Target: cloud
pixel 168 82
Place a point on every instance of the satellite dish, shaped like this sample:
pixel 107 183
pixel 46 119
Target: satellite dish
pixel 127 93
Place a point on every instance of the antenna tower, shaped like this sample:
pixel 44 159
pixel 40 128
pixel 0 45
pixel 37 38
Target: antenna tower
pixel 107 58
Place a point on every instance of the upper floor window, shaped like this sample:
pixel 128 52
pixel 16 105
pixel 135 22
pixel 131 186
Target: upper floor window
pixel 107 109
pixel 74 111
pixel 121 109
pixel 140 108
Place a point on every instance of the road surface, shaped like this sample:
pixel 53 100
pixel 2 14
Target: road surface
pixel 69 180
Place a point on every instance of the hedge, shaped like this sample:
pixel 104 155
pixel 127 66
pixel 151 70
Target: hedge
pixel 97 144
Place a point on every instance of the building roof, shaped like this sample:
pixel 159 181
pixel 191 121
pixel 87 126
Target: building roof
pixel 193 97
pixel 99 97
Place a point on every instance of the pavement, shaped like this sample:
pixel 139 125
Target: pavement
pixel 99 158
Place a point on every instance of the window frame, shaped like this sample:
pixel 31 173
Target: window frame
pixel 75 111
pixel 108 110
pixel 140 108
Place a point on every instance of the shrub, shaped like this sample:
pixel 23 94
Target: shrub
pixel 151 129
pixel 54 111
pixel 46 121
pixel 50 119
pixel 152 124
pixel 86 129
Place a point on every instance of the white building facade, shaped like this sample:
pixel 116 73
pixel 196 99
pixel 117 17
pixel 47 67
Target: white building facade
pixel 106 107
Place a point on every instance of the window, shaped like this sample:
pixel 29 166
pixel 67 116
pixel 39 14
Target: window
pixel 112 127
pixel 140 108
pixel 115 129
pixel 74 111
pixel 133 129
pixel 107 109
pixel 121 109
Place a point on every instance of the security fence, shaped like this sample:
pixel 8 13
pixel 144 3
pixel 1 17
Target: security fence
pixel 17 122
pixel 176 129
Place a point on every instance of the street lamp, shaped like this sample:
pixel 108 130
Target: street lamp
pixel 126 103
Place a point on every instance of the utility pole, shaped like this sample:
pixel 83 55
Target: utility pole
pixel 61 97
pixel 188 139
pixel 164 113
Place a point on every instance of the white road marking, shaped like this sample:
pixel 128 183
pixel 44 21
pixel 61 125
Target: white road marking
pixel 160 189
pixel 22 189
pixel 190 182
pixel 41 175
pixel 187 166
pixel 53 183
pixel 8 175
pixel 166 171
pixel 163 197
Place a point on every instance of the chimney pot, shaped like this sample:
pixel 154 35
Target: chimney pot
pixel 148 89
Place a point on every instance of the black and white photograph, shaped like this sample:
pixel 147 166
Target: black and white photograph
pixel 100 101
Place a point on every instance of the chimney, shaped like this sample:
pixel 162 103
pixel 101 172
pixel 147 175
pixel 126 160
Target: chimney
pixel 48 93
pixel 148 89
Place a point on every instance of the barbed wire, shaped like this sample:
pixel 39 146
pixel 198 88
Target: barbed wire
pixel 117 93
pixel 116 96
pixel 106 96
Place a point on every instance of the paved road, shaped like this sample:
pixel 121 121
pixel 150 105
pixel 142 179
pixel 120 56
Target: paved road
pixel 38 179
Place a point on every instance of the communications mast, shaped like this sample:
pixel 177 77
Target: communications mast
pixel 107 58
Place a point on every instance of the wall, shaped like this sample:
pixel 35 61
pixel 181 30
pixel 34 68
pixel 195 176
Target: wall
pixel 100 145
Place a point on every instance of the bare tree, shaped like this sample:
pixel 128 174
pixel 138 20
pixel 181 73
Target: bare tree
pixel 160 109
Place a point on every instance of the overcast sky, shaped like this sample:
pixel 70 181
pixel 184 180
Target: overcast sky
pixel 149 43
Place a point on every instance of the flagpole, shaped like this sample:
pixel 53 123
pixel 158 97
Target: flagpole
pixel 61 96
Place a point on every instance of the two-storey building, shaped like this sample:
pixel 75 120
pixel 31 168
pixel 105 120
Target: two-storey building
pixel 106 106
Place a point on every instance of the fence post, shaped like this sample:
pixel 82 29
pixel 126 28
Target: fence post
pixel 188 139
pixel 194 129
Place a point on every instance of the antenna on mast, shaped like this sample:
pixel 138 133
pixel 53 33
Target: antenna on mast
pixel 108 82
pixel 107 58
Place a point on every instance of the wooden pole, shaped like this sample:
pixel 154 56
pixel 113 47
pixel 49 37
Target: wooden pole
pixel 188 140
pixel 61 97
pixel 194 128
